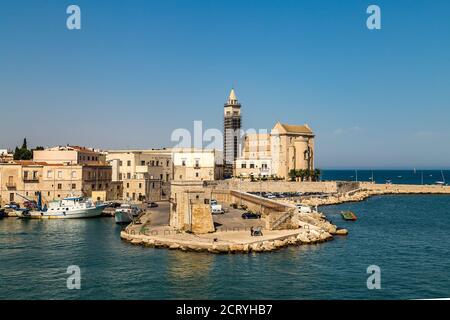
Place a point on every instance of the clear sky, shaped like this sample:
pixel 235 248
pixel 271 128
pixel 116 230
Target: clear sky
pixel 137 70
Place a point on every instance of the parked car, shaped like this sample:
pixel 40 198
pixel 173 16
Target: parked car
pixel 251 215
pixel 213 202
pixel 217 211
pixel 152 205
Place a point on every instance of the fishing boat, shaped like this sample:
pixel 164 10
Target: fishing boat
pixel 67 208
pixel 348 215
pixel 126 213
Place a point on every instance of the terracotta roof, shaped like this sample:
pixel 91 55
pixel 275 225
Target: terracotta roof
pixel 35 163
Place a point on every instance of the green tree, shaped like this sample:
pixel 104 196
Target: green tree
pixel 293 174
pixel 23 153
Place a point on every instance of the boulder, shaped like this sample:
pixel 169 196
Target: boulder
pixel 174 246
pixel 136 241
pixel 341 232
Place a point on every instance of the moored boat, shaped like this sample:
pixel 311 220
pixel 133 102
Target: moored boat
pixel 67 208
pixel 348 215
pixel 126 213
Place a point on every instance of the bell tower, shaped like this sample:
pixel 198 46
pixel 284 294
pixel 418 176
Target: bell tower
pixel 231 134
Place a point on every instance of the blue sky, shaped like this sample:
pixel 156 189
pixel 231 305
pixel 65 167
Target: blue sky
pixel 137 70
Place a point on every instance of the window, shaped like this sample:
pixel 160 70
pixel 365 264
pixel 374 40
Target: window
pixel 128 185
pixel 167 163
pixel 128 175
pixel 59 174
pixel 120 163
pixel 59 186
pixel 167 177
pixel 197 163
pixel 140 185
pixel 74 186
pixel 196 174
pixel 100 186
pixel 252 165
pixel 264 165
pixel 74 174
pixel 142 163
pixel 120 176
pixel 183 162
pixel 49 173
pixel 93 187
pixel 243 165
pixel 129 163
pixel 157 163
pixel 161 176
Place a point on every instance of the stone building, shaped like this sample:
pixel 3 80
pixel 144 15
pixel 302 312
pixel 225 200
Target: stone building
pixel 286 148
pixel 292 148
pixel 194 164
pixel 256 157
pixel 144 174
pixel 55 181
pixel 147 174
pixel 69 154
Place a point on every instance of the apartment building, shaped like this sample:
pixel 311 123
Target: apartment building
pixel 23 179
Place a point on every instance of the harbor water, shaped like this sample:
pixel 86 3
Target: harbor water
pixel 407 237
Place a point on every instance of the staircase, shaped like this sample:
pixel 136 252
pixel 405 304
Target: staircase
pixel 282 219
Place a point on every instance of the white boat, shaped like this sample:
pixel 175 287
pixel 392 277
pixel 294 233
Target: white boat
pixel 126 213
pixel 442 183
pixel 67 208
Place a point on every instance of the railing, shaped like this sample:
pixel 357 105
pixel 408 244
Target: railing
pixel 31 179
pixel 10 184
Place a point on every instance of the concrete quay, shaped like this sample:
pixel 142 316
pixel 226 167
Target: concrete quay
pixel 228 240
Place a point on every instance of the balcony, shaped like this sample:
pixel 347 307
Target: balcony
pixel 11 185
pixel 31 179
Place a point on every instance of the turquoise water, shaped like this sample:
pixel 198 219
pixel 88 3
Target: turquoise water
pixel 406 236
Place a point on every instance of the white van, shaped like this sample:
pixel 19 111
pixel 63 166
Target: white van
pixel 303 209
pixel 217 209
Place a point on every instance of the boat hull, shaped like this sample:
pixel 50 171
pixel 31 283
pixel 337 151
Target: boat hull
pixel 68 214
pixel 122 217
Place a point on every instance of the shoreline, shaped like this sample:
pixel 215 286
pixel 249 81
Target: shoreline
pixel 311 228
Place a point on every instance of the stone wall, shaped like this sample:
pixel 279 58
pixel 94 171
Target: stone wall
pixel 281 186
pixel 202 221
